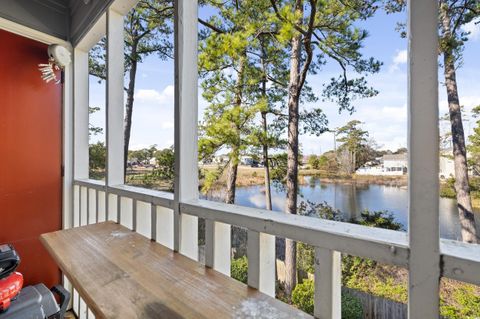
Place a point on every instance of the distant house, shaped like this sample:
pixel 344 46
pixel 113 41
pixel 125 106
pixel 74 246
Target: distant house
pixel 370 170
pixel 390 164
pixel 153 161
pixel 220 159
pixel 395 164
pixel 246 160
pixel 447 165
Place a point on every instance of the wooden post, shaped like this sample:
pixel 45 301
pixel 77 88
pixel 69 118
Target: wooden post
pixel 80 66
pixel 218 246
pixel 423 160
pixel 328 284
pixel 261 262
pixel 186 118
pixel 114 107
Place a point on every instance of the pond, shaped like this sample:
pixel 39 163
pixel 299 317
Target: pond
pixel 352 199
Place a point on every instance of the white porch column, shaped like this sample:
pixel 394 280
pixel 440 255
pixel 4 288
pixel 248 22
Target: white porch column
pixel 423 153
pixel 80 130
pixel 114 105
pixel 80 78
pixel 68 150
pixel 186 118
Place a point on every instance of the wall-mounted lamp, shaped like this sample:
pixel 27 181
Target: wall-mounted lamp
pixel 58 58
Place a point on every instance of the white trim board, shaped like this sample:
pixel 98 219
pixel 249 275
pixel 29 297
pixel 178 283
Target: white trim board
pixel 30 33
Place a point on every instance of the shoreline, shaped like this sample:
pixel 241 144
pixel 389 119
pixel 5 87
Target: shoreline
pixel 249 176
pixel 255 176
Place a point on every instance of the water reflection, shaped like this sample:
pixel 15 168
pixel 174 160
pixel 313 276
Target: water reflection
pixel 351 199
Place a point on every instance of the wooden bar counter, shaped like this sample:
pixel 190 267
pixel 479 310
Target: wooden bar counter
pixel 122 274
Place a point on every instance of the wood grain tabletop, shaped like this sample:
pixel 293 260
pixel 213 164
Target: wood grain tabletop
pixel 121 274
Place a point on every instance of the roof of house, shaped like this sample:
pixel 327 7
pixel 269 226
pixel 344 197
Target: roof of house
pixel 395 157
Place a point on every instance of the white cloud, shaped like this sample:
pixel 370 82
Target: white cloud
pixel 399 59
pixel 474 28
pixel 167 124
pixel 153 118
pixel 154 96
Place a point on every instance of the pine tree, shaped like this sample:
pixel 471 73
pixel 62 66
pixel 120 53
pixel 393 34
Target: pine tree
pixel 354 140
pixel 324 29
pixel 453 15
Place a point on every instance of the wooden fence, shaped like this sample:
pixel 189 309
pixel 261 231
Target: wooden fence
pixel 377 307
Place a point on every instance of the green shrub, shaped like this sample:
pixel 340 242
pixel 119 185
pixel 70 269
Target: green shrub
pixel 447 189
pixel 380 219
pixel 305 257
pixel 351 307
pixel 465 304
pixel 302 297
pixel 239 269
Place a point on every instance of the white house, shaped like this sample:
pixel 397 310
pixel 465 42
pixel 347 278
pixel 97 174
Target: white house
pixel 395 164
pixel 447 165
pixel 153 161
pixel 246 160
pixel 392 164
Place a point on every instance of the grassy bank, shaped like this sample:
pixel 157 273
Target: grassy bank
pixel 249 176
pixel 447 190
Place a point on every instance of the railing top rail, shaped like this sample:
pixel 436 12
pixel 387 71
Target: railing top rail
pixel 91 183
pixel 159 198
pixel 383 245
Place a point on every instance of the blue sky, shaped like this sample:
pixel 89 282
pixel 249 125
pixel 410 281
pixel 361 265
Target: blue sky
pixel 384 116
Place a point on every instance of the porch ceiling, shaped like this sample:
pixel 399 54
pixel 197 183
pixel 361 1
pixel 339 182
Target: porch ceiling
pixel 65 19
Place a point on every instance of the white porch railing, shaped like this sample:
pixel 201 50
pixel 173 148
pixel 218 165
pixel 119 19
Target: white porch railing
pixel 150 213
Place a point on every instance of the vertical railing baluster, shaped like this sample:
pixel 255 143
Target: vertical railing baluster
pixel 134 214
pixel 80 208
pixel 328 284
pixel 76 203
pixel 209 243
pixel 153 221
pixel 218 246
pixel 261 262
pixel 88 205
pixel 96 205
pixel 105 204
pixel 119 209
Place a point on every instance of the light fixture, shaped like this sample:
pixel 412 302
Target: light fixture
pixel 58 58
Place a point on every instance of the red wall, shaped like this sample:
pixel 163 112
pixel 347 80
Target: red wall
pixel 30 158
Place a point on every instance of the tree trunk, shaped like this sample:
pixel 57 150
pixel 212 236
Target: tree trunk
pixel 354 158
pixel 292 155
pixel 235 152
pixel 129 108
pixel 462 188
pixel 266 165
pixel 231 179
